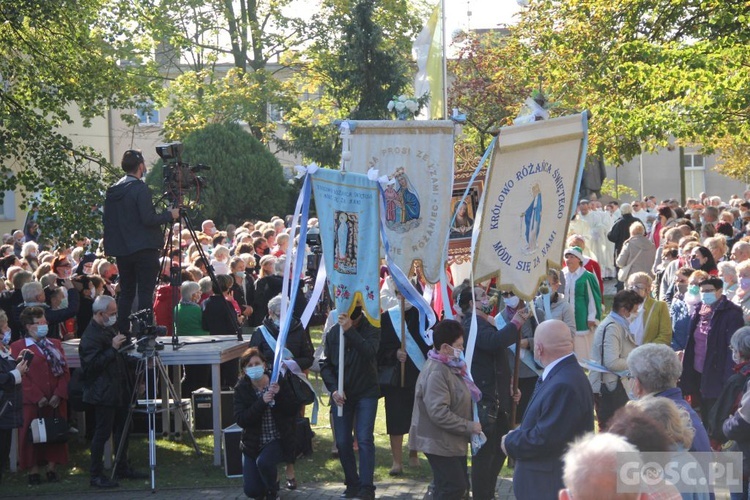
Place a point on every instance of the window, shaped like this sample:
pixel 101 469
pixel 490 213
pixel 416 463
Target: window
pixel 8 206
pixel 147 115
pixel 695 175
pixel 275 113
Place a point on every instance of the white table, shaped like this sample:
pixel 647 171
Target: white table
pixel 194 350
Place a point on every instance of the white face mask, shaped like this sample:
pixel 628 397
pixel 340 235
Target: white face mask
pixel 511 302
pixel 111 320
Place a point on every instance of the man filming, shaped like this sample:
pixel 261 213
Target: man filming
pixel 132 234
pixel 106 388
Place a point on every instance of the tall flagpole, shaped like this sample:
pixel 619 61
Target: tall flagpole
pixel 445 61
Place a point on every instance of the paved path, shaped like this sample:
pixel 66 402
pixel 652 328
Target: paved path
pixel 396 489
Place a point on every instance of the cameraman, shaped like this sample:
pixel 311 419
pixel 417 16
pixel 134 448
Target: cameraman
pixel 133 234
pixel 106 388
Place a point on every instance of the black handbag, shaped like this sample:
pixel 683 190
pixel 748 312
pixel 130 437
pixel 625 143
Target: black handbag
pixel 49 430
pixel 610 400
pixel 388 375
pixel 301 389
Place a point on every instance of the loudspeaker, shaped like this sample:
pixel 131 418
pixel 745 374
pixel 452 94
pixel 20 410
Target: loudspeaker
pixel 203 409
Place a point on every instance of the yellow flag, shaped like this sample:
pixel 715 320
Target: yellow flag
pixel 428 50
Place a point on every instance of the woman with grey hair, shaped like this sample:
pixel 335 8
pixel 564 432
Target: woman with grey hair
pixel 735 386
pixel 655 370
pixel 188 313
pixel 638 253
pixel 728 274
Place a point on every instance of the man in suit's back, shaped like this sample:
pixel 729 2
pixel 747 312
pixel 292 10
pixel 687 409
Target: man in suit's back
pixel 561 409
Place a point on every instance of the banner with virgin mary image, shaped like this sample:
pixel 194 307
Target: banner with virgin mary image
pixel 529 195
pixel 348 211
pixel 418 157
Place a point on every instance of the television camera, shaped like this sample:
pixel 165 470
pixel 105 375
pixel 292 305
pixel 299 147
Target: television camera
pixel 179 176
pixel 146 342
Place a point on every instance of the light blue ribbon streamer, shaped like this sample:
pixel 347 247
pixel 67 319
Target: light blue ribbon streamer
pixel 272 342
pixel 448 311
pixel 301 213
pixel 412 348
pixel 402 282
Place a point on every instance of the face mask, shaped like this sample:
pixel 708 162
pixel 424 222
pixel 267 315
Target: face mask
pixel 254 372
pixel 708 298
pixel 512 302
pixel 276 321
pixel 266 251
pixel 241 274
pixel 92 291
pixel 6 338
pixel 695 263
pixel 41 331
pixel 736 357
pixel 745 283
pixel 64 303
pixel 457 353
pixel 110 321
pixel 694 289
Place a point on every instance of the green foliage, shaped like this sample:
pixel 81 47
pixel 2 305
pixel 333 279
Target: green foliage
pixel 617 191
pixel 245 180
pixel 490 82
pixel 649 70
pixel 56 56
pixel 359 59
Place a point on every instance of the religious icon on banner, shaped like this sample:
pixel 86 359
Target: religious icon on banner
pixel 463 222
pixel 531 220
pixel 345 243
pixel 402 207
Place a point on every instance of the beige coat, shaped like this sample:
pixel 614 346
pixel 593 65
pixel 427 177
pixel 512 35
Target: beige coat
pixel 639 251
pixel 441 421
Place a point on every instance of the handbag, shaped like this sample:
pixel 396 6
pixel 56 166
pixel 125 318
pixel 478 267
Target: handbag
pixel 624 272
pixel 387 375
pixel 610 400
pixel 301 389
pixel 49 430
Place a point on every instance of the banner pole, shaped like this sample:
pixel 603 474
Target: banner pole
pixel 341 369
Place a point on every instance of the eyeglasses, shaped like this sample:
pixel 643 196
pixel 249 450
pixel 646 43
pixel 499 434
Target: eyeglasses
pixel 507 294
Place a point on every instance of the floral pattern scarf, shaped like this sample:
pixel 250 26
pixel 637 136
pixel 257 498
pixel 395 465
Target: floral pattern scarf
pixel 54 357
pixel 458 367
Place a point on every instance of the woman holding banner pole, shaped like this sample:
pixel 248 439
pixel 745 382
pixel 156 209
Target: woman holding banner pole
pixel 398 391
pixel 358 402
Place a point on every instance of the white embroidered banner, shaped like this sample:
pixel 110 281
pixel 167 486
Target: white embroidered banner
pixel 529 192
pixel 418 156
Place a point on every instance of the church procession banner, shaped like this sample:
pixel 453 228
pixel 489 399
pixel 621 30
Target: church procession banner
pixel 531 187
pixel 347 204
pixel 418 157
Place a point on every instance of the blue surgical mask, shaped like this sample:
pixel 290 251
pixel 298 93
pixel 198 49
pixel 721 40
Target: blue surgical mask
pixel 254 372
pixel 695 263
pixel 41 331
pixel 708 298
pixel 6 337
pixel 745 283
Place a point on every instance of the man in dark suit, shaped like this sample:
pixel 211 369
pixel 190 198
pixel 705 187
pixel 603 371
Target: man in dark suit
pixel 560 410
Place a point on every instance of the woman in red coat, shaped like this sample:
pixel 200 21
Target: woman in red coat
pixel 45 392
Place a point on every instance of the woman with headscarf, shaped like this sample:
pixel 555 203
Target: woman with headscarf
pixel 45 394
pixel 86 264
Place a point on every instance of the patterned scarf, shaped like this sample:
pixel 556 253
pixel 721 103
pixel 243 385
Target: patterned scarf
pixel 458 367
pixel 54 358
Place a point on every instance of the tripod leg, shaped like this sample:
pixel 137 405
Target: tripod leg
pixel 140 371
pixel 151 407
pixel 172 393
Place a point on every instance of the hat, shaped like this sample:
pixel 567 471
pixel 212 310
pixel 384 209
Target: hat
pixel 714 282
pixel 583 201
pixel 575 251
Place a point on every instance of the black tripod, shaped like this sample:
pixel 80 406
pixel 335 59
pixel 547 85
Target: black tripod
pixel 149 365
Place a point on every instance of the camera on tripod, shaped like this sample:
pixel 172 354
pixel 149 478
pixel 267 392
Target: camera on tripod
pixel 178 175
pixel 147 332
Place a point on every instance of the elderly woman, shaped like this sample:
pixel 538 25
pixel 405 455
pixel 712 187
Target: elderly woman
pixel 655 370
pixel 188 313
pixel 728 274
pixel 29 253
pixel 717 245
pixel 672 418
pixel 442 424
pixel 652 324
pixel 736 424
pixel 45 393
pixel 638 253
pixel 559 308
pixel 612 344
pixel 266 413
pixel 582 292
pixel 742 294
pixel 12 371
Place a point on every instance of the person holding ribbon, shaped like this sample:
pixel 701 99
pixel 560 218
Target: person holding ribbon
pixel 266 413
pixel 45 393
pixel 398 391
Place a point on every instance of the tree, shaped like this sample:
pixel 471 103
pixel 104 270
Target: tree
pixel 360 59
pixel 55 57
pixel 245 180
pixel 649 70
pixel 489 83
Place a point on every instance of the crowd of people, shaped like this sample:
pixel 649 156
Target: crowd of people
pixel 664 368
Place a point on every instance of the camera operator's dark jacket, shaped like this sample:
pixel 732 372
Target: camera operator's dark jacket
pixel 130 219
pixel 248 413
pixel 297 341
pixel 360 361
pixel 105 374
